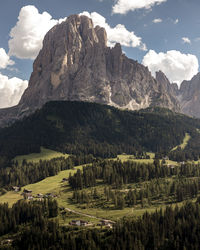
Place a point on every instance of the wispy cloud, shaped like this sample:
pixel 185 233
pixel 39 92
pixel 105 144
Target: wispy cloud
pixel 176 21
pixel 117 34
pixel 157 20
pixel 186 40
pixel 124 6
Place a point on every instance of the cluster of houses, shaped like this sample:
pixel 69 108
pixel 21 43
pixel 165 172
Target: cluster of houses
pixel 16 189
pixel 27 194
pixel 106 223
pixel 80 223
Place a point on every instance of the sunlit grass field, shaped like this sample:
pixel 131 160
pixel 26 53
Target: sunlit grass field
pixel 45 154
pixel 184 143
pixel 64 193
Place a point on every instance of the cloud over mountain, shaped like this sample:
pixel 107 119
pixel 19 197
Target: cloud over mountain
pixel 4 59
pixel 28 33
pixel 176 66
pixel 124 6
pixel 11 90
pixel 118 34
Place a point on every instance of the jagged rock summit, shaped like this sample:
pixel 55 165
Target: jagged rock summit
pixel 189 96
pixel 76 64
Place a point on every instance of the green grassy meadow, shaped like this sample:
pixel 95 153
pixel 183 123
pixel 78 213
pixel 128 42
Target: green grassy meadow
pixel 48 185
pixel 184 143
pixel 64 193
pixel 45 154
pixel 124 158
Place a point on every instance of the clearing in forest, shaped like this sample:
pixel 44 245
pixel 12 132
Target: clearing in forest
pixel 184 143
pixel 45 154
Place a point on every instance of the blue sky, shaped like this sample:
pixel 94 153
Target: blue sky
pixel 161 34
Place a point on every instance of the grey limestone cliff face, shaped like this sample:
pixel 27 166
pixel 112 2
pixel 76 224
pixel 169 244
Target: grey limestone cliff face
pixel 189 96
pixel 76 64
pixel 170 90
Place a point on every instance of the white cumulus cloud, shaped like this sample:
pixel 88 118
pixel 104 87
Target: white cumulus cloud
pixel 124 6
pixel 176 66
pixel 186 40
pixel 118 34
pixel 4 59
pixel 11 90
pixel 157 20
pixel 28 33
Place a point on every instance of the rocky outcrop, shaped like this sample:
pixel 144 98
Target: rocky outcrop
pixel 189 96
pixel 76 64
pixel 170 99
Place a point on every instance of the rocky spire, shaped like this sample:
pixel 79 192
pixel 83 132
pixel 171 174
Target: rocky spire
pixel 76 64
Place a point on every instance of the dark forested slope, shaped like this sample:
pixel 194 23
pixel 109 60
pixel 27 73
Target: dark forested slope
pixel 101 130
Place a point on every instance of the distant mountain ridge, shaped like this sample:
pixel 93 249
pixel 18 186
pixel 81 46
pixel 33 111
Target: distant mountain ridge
pixel 189 96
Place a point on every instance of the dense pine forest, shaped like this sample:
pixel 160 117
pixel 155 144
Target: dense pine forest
pixel 153 183
pixel 35 224
pixel 100 130
pixel 94 136
pixel 170 229
pixel 24 213
pixel 118 173
pixel 29 172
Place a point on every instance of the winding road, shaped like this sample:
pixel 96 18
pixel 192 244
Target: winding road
pixel 87 215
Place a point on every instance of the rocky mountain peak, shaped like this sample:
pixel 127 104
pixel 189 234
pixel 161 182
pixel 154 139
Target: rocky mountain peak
pixel 160 76
pixel 76 64
pixel 189 96
pixel 171 88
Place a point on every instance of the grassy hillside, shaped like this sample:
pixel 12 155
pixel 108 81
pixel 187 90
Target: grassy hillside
pixel 98 208
pixel 48 185
pixel 133 183
pixel 45 154
pixel 89 128
pixel 184 143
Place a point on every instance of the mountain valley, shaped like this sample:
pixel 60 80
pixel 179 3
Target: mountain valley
pixel 99 154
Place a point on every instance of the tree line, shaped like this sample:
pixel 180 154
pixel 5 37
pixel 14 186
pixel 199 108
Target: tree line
pixel 117 173
pixel 29 172
pixel 90 128
pixel 168 229
pixel 23 212
pixel 146 194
